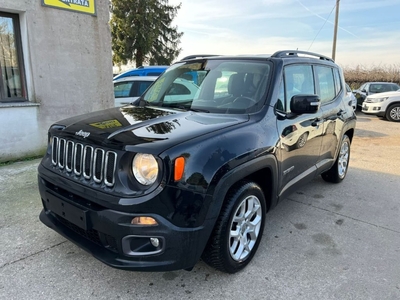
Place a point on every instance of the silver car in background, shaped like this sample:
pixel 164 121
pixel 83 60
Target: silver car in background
pixel 128 89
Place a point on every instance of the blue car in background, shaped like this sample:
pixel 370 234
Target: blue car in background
pixel 143 71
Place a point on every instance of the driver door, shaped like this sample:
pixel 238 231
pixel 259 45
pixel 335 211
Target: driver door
pixel 300 135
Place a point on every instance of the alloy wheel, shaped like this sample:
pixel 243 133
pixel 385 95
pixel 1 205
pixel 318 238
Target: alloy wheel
pixel 395 113
pixel 343 159
pixel 245 228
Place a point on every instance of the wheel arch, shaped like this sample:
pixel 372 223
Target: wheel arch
pixel 394 102
pixel 397 102
pixel 388 108
pixel 261 170
pixel 350 133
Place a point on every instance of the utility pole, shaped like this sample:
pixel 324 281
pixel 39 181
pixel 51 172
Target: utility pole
pixel 335 31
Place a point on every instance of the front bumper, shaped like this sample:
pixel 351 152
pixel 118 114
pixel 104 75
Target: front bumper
pixel 373 109
pixel 110 237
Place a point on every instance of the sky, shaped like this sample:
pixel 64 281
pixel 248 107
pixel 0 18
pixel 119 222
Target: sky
pixel 368 30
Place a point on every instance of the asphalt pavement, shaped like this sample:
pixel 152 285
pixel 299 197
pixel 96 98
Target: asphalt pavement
pixel 326 241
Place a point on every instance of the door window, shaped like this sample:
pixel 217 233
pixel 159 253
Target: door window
pixel 122 89
pixel 326 83
pixel 298 80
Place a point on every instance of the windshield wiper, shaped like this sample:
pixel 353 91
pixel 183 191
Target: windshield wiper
pixel 141 102
pixel 185 107
pixel 199 110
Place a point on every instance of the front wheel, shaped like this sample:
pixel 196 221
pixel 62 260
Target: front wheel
pixel 238 230
pixel 302 140
pixel 393 113
pixel 339 170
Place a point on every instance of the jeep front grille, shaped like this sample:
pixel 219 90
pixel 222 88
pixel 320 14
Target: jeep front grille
pixel 84 160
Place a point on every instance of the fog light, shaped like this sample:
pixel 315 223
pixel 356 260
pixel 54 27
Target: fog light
pixel 144 221
pixel 136 245
pixel 155 242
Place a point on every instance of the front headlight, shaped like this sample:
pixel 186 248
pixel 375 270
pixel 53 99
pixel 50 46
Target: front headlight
pixel 377 100
pixel 145 168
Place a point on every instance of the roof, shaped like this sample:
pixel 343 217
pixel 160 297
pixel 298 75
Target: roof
pixel 136 78
pixel 142 71
pixel 279 54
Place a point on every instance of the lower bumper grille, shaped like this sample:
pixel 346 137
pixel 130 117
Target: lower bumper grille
pixel 92 235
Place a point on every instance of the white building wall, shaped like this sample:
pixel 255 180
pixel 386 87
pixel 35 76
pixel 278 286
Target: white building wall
pixel 19 141
pixel 68 69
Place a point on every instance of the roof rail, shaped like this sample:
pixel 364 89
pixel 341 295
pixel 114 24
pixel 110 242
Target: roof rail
pixel 288 53
pixel 198 56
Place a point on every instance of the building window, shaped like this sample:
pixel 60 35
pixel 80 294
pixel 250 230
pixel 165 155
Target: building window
pixel 12 75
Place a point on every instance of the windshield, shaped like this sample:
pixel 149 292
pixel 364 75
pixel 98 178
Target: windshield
pixel 216 86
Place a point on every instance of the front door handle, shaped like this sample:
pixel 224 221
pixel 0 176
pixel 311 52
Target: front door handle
pixel 341 112
pixel 316 122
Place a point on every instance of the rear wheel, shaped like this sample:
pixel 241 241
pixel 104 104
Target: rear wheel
pixel 339 170
pixel 238 230
pixel 393 113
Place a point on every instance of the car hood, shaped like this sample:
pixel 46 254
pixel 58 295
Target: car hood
pixel 385 94
pixel 151 129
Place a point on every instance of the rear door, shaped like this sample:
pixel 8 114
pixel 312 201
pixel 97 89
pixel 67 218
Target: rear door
pixel 331 90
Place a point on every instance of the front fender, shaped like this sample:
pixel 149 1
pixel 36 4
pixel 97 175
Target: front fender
pixel 246 170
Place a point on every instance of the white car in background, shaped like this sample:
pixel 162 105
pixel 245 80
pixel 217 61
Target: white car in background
pixel 350 97
pixel 129 89
pixel 386 105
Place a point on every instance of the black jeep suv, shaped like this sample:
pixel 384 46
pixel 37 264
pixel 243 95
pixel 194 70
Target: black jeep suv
pixel 156 185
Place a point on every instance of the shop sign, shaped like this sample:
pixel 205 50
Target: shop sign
pixel 82 6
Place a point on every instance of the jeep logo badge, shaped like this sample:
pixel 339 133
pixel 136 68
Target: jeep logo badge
pixel 82 133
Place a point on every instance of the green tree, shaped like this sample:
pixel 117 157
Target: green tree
pixel 141 32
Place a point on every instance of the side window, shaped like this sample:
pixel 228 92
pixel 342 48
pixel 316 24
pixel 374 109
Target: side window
pixel 122 89
pixel 298 80
pixel 338 82
pixel 12 76
pixel 326 83
pixel 143 85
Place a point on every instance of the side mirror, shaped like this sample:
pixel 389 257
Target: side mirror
pixel 305 104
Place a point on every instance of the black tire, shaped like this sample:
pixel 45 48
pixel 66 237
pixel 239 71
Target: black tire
pixel 225 252
pixel 393 112
pixel 339 169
